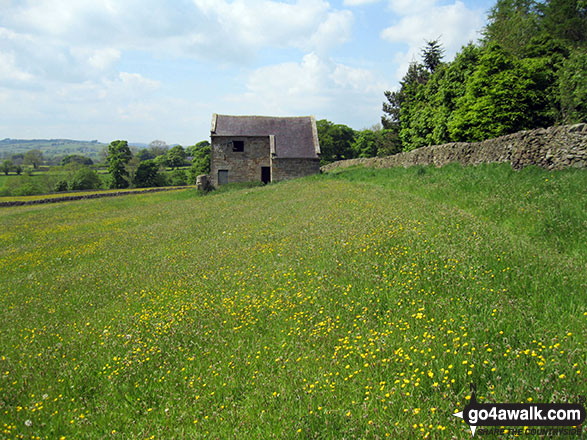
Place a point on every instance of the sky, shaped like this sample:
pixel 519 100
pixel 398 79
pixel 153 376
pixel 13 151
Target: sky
pixel 141 70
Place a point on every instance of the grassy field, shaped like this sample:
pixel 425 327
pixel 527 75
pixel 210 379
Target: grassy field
pixel 359 304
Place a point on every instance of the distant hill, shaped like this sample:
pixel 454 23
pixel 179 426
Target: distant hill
pixel 51 147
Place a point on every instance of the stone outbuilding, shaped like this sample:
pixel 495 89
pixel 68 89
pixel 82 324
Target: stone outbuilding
pixel 263 148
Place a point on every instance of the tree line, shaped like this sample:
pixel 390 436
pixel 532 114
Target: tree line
pixel 528 71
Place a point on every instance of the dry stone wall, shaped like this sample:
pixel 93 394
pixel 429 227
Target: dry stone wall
pixel 291 168
pixel 551 148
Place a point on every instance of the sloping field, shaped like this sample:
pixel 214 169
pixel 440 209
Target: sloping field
pixel 355 305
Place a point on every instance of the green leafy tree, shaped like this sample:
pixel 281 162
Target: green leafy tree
pixel 76 158
pixel 193 149
pixel 201 160
pixel 365 144
pixel 85 178
pixel 432 55
pixel 145 154
pixel 34 158
pixel 18 170
pixel 573 88
pixel 502 96
pixel 179 178
pixel 119 155
pixel 387 142
pixel 162 161
pixel 158 148
pixel 512 24
pixel 147 174
pixel 176 156
pixel 335 141
pixel 7 166
pixel 565 20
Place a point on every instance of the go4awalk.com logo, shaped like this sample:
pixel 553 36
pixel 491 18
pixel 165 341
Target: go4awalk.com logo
pixel 525 415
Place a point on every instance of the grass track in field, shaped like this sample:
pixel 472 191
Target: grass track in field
pixel 352 305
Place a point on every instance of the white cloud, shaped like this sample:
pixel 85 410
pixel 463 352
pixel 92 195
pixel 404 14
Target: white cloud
pixel 316 85
pixel 358 2
pixel 454 24
pixel 104 58
pixel 9 71
pixel 211 29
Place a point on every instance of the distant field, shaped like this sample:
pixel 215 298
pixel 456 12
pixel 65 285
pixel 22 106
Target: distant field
pixel 360 304
pixel 52 147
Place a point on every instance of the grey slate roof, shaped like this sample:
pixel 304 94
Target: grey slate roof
pixel 295 137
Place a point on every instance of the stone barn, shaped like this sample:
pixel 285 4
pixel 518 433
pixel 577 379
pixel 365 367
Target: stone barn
pixel 263 148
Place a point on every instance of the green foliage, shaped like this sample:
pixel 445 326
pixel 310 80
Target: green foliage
pixel 432 55
pixel 371 143
pixel 176 156
pixel 7 166
pixel 34 158
pixel 85 178
pixel 335 141
pixel 162 161
pixel 565 20
pixel 76 158
pixel 503 95
pixel 573 87
pixel 145 154
pixel 193 149
pixel 178 178
pixel 528 72
pixel 61 186
pixel 512 24
pixel 119 155
pixel 147 175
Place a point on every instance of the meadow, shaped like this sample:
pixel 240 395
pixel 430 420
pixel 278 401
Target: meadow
pixel 358 304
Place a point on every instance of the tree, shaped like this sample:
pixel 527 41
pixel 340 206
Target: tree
pixel 158 148
pixel 7 166
pixel 76 158
pixel 201 160
pixel 34 158
pixel 162 161
pixel 191 150
pixel 573 88
pixel 85 178
pixel 176 156
pixel 119 155
pixel 335 141
pixel 512 24
pixel 145 154
pixel 365 144
pixel 147 174
pixel 565 20
pixel 503 95
pixel 432 55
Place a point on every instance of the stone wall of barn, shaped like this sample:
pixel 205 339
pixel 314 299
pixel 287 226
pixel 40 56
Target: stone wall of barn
pixel 244 166
pixel 552 148
pixel 290 168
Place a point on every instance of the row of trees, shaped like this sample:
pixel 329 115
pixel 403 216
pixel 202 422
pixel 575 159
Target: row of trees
pixel 338 142
pixel 145 168
pixel 527 72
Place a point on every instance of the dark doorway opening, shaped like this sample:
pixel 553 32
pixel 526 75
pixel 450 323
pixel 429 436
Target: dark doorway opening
pixel 265 174
pixel 222 177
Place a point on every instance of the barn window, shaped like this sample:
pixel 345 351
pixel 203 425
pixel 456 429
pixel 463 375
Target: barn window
pixel 238 146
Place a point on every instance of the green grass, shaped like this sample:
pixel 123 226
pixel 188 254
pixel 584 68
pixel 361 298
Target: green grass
pixel 359 304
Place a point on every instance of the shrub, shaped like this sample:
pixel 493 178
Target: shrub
pixel 179 178
pixel 85 178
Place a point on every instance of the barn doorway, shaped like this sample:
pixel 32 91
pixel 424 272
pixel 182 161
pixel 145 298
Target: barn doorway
pixel 222 177
pixel 265 174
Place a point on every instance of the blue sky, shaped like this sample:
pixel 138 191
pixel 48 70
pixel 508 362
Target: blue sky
pixel 157 69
